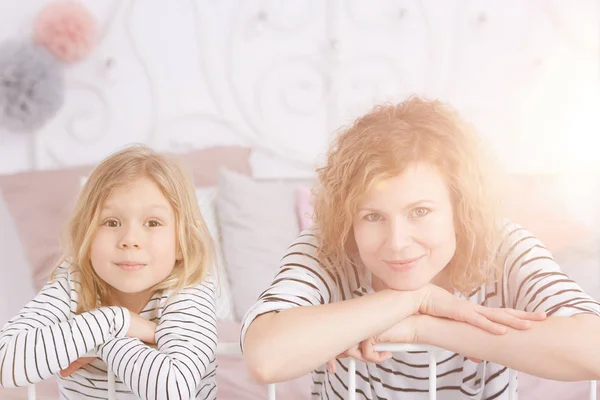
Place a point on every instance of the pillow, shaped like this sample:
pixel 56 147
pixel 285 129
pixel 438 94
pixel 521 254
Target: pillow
pixel 258 222
pixel 40 201
pixel 207 204
pixel 16 287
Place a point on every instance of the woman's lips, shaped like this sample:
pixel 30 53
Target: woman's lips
pixel 403 265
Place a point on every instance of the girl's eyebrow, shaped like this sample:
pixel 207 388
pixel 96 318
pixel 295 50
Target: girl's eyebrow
pixel 113 207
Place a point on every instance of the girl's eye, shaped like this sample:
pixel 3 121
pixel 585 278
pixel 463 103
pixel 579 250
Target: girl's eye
pixel 152 224
pixel 111 223
pixel 419 212
pixel 373 217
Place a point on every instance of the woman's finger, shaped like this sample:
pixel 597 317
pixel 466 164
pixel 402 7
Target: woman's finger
pixel 355 353
pixel 513 318
pixel 530 316
pixel 367 347
pixel 473 316
pixel 331 366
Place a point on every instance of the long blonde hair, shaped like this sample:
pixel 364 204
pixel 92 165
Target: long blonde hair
pixel 193 238
pixel 379 146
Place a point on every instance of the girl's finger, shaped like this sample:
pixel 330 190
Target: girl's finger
pixel 75 365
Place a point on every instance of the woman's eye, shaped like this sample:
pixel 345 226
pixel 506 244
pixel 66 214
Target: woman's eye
pixel 373 217
pixel 420 212
pixel 111 223
pixel 152 224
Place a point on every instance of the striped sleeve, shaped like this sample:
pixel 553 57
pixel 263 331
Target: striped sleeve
pixel 535 281
pixel 186 338
pixel 45 337
pixel 300 281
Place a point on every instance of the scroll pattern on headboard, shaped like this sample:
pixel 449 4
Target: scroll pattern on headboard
pixel 283 76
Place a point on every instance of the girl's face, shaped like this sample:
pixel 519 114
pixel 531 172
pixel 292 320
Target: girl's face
pixel 404 229
pixel 135 245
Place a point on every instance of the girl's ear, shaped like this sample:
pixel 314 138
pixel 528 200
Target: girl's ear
pixel 179 255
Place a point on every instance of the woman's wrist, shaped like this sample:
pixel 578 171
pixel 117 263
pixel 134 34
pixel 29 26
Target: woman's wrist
pixel 425 328
pixel 404 302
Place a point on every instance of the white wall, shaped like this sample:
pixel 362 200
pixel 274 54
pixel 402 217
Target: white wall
pixel 282 75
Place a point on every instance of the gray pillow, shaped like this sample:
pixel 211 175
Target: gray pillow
pixel 258 223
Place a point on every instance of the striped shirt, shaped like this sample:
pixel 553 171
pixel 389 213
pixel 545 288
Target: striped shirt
pixel 531 281
pixel 47 335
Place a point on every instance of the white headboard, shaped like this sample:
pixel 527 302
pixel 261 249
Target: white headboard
pixel 281 76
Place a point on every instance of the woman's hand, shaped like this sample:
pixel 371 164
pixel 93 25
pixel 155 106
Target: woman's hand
pixel 363 352
pixel 438 302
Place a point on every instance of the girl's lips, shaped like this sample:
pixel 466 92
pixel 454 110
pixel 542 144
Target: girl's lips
pixel 130 266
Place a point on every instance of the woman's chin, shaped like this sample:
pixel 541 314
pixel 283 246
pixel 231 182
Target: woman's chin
pixel 400 284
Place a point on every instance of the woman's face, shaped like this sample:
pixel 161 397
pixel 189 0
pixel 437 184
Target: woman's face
pixel 404 229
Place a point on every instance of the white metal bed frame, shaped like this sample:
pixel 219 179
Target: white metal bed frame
pixel 233 348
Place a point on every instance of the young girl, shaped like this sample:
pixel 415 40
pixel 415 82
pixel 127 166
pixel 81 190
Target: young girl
pixel 407 248
pixel 134 275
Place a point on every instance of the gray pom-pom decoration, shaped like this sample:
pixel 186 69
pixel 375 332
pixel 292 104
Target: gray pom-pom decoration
pixel 32 86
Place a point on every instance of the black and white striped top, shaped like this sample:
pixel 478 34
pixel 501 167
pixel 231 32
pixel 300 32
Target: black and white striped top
pixel 47 335
pixel 531 281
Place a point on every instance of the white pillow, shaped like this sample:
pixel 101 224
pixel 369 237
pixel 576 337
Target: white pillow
pixel 206 202
pixel 257 221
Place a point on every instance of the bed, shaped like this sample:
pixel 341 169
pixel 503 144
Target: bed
pixel 234 204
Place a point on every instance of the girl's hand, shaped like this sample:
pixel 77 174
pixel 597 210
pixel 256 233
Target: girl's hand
pixel 142 329
pixel 75 365
pixel 437 302
pixel 139 328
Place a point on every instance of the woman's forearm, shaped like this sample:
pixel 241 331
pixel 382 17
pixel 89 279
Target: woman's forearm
pixel 559 348
pixel 285 345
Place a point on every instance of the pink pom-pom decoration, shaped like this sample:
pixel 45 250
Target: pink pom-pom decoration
pixel 66 29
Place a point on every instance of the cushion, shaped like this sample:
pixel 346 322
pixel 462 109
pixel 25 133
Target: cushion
pixel 207 203
pixel 258 222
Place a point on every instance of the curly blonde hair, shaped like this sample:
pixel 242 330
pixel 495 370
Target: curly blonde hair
pixel 379 146
pixel 193 238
